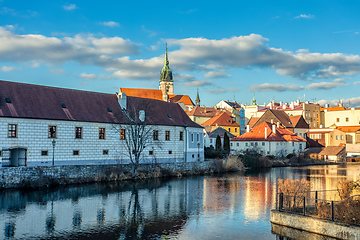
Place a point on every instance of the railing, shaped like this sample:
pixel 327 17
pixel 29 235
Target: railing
pixel 345 211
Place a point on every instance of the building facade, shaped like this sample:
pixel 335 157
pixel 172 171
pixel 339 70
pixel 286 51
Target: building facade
pixel 45 125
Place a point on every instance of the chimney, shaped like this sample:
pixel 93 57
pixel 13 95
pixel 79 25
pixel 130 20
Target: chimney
pixel 292 105
pixel 265 132
pixel 278 124
pixel 284 106
pixel 326 105
pixel 281 103
pixel 321 126
pixel 248 128
pixel 272 121
pixel 122 100
pixel 274 128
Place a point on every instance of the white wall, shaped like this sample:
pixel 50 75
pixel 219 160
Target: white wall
pixel 280 148
pixel 33 136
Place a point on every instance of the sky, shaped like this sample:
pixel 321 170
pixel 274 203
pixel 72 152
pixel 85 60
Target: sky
pixel 277 50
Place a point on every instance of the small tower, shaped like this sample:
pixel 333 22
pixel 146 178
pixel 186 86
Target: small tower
pixel 197 101
pixel 166 78
pixel 254 101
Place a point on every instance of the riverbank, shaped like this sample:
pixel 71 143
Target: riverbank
pixel 52 176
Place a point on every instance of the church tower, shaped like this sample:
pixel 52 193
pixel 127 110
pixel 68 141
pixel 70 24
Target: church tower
pixel 166 78
pixel 197 101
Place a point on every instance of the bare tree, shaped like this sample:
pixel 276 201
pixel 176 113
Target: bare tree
pixel 137 135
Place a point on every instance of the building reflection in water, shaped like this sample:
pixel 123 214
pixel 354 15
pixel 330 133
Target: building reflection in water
pixel 157 209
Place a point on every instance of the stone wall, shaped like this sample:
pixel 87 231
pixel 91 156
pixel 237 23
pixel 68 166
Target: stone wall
pixel 315 225
pixel 45 176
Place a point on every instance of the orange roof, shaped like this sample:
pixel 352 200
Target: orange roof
pixel 181 98
pixel 156 94
pixel 349 129
pixel 332 150
pixel 221 119
pixel 252 121
pixel 333 108
pixel 258 134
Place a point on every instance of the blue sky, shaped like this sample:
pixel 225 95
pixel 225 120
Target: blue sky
pixel 281 50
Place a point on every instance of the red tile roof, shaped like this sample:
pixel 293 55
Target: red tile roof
pixel 258 134
pixel 221 119
pixel 334 109
pixel 203 111
pixel 348 129
pixel 42 102
pixel 332 150
pixel 252 121
pixel 156 94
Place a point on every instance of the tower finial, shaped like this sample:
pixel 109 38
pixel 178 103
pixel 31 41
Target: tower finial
pixel 254 100
pixel 197 101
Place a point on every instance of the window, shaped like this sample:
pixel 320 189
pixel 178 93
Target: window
pixel 231 144
pixel 256 144
pixel 337 119
pixel 101 133
pixel 155 135
pixel 76 152
pixel 106 152
pixel 337 137
pixel 252 144
pixel 78 132
pixel 12 133
pixel 237 144
pixel 192 137
pixel 167 135
pixel 263 143
pixel 197 137
pixel 170 152
pixel 229 129
pixel 211 140
pixel 235 129
pixel 341 137
pixel 151 152
pixel 181 137
pixel 0 153
pixel 347 119
pixel 122 134
pixel 293 144
pixel 52 132
pixel 193 155
pixel 44 152
pixel 246 144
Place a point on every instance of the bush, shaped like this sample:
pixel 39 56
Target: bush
pixel 212 153
pixel 252 159
pixel 290 156
pixel 233 163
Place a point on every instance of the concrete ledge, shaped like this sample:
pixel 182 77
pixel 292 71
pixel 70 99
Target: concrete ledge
pixel 315 225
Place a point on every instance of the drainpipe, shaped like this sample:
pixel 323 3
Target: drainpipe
pixel 185 144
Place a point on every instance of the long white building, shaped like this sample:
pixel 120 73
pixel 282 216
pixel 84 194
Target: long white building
pixel 40 125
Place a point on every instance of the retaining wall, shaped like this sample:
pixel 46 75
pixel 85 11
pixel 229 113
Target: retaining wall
pixel 42 176
pixel 315 225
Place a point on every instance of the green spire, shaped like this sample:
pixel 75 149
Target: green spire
pixel 166 74
pixel 254 100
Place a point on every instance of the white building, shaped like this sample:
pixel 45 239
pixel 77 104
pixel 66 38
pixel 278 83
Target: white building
pixel 268 139
pixel 39 124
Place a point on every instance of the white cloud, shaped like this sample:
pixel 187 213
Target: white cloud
pixel 216 74
pixel 327 85
pixel 69 7
pixel 149 32
pixel 87 76
pixel 195 83
pixel 354 102
pixel 222 90
pixel 305 16
pixel 9 69
pixel 110 24
pixel 269 87
pixel 179 76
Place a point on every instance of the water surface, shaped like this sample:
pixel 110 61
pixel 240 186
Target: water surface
pixel 229 206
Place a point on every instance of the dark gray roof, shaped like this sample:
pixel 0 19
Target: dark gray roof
pixel 20 100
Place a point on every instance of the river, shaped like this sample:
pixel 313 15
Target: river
pixel 228 206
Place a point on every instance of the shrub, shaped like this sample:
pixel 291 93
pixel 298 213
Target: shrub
pixel 345 188
pixel 212 153
pixel 253 159
pixel 233 163
pixel 290 156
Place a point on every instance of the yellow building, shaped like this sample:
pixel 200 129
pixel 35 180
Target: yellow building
pixel 222 119
pixel 340 116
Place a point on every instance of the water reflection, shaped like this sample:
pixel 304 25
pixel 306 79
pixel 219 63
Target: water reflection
pixel 231 206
